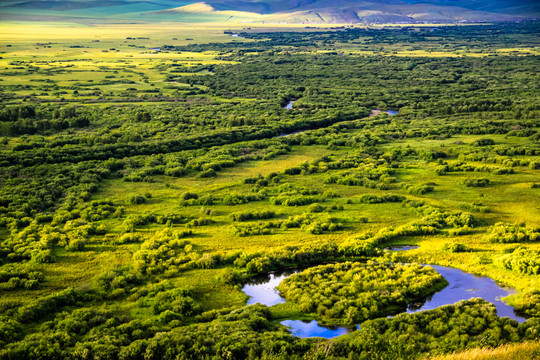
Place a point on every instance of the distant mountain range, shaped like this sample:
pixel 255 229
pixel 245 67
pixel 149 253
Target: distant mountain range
pixel 280 11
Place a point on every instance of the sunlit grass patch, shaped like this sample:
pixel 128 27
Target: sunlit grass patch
pixel 522 351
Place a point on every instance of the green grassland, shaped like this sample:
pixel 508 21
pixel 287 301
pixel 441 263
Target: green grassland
pixel 101 59
pixel 510 199
pixel 123 168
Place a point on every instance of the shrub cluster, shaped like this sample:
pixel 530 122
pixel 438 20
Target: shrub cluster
pixel 374 199
pixel 312 224
pixel 15 276
pixel 418 189
pixel 477 182
pixel 506 233
pixel 254 229
pixel 295 200
pixel 349 293
pixel 253 215
pixel 521 261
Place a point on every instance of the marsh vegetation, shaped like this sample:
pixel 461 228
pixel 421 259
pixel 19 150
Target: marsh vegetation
pixel 141 189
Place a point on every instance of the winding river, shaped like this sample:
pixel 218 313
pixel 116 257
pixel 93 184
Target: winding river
pixel 290 103
pixel 462 286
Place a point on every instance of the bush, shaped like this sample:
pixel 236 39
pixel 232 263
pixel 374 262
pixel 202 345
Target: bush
pixel 76 245
pixel 253 215
pixel 208 173
pixel 254 229
pixel 189 196
pixel 293 171
pixel 312 224
pixel 176 171
pixel 477 182
pixel 521 261
pixel 137 199
pixel 374 199
pixel 238 199
pixel 455 248
pixel 419 189
pixel 200 222
pixel 483 142
pixel 295 200
pixel 128 238
pixel 352 292
pixel 506 233
pixel 316 208
pixel 528 304
pixel 48 305
pixel 475 207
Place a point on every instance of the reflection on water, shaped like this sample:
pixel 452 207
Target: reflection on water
pixel 262 289
pixel 306 328
pixel 294 133
pixel 462 286
pixel 289 105
pixel 378 111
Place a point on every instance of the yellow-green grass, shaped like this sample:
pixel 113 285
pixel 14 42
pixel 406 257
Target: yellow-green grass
pixel 209 290
pixel 91 67
pixel 25 35
pixel 29 42
pixel 507 192
pixel 165 199
pixel 510 199
pixel 34 31
pixel 523 351
pixel 76 269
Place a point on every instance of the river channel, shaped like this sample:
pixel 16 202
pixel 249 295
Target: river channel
pixel 462 286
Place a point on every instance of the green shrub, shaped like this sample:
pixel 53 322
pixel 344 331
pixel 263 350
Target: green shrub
pixel 506 233
pixel 477 182
pixel 352 292
pixel 137 199
pixel 455 248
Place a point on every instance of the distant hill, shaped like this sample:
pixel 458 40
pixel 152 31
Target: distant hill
pixel 385 11
pixel 204 8
pixel 503 7
pixel 282 11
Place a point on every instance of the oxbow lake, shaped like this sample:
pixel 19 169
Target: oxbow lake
pixel 462 286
